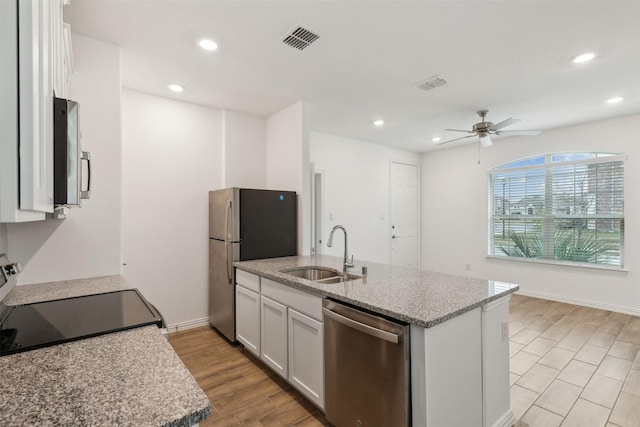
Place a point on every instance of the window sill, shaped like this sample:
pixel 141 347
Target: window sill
pixel 559 263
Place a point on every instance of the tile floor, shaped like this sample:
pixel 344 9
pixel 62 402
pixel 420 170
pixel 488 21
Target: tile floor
pixel 572 365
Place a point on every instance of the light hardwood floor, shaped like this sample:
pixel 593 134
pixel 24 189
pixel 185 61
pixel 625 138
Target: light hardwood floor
pixel 570 366
pixel 242 391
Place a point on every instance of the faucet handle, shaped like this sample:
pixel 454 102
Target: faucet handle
pixel 349 264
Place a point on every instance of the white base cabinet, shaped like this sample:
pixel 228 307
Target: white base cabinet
pixel 288 335
pixel 495 364
pixel 460 370
pixel 273 330
pixel 248 319
pixel 306 356
pixel 248 311
pixel 446 372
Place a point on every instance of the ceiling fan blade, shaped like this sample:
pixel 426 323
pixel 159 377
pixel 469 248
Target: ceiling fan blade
pixel 504 124
pixel 460 130
pixel 519 132
pixel 451 140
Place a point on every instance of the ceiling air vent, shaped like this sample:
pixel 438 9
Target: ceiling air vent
pixel 300 37
pixel 431 83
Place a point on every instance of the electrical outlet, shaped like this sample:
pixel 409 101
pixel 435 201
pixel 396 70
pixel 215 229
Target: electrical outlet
pixel 467 267
pixel 505 330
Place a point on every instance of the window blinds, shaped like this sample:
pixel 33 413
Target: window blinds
pixel 559 207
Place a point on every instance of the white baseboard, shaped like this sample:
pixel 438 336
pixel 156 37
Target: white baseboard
pixel 189 324
pixel 506 420
pixel 577 301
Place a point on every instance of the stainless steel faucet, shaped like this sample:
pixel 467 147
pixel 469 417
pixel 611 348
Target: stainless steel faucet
pixel 347 264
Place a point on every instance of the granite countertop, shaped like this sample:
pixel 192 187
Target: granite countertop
pixel 132 377
pixel 47 291
pixel 420 297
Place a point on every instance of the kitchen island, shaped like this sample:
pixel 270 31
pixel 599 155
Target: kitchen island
pixel 132 377
pixel 420 297
pixel 459 341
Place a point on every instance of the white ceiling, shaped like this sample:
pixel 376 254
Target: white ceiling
pixel 510 57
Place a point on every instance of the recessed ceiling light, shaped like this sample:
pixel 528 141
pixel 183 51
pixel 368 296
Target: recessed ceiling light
pixel 436 139
pixel 584 57
pixel 176 88
pixel 378 122
pixel 207 44
pixel 614 100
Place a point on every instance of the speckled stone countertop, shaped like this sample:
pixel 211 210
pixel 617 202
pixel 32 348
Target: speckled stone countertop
pixel 47 291
pixel 128 378
pixel 420 297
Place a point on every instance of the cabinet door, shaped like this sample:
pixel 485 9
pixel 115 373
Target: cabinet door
pixel 248 319
pixel 274 335
pixel 306 362
pixel 35 27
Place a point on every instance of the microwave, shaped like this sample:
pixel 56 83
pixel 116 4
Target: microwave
pixel 68 157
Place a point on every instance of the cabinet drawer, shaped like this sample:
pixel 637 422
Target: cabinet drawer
pixel 301 301
pixel 248 280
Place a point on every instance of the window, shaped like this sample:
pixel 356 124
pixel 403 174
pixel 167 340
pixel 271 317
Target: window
pixel 563 207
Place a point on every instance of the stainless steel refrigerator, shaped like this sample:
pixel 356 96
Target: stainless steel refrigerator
pixel 245 224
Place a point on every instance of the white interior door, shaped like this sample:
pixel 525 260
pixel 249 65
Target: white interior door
pixel 405 232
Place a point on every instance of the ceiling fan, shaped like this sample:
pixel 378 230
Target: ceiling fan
pixel 484 129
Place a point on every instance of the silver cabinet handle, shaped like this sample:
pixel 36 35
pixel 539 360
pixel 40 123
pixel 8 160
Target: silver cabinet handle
pixel 85 155
pixel 369 330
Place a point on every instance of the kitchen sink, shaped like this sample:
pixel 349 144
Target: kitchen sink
pixel 320 274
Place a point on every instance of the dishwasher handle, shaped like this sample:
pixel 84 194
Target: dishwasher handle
pixel 387 336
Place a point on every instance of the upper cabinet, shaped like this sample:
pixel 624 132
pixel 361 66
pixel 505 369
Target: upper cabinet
pixel 35 66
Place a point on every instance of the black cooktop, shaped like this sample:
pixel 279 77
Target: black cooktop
pixel 30 326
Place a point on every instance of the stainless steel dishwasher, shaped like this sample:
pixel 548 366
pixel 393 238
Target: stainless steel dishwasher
pixel 366 368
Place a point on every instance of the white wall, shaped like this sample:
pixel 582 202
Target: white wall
pixel 287 162
pixel 244 150
pixel 454 215
pixel 88 242
pixel 172 156
pixel 356 193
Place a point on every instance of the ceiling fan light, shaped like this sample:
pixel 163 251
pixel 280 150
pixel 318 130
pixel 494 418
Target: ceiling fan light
pixel 485 141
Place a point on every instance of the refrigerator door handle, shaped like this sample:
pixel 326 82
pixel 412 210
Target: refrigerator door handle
pixel 226 221
pixel 229 270
pixel 227 242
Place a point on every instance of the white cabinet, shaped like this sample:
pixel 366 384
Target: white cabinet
pixel 248 319
pixel 446 372
pixel 288 334
pixel 306 361
pixel 28 29
pixel 495 363
pixel 273 336
pixel 460 369
pixel 248 311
